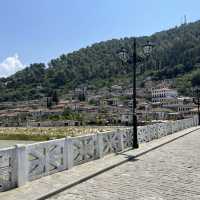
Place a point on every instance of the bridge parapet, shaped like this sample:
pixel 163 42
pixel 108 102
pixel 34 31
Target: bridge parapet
pixel 8 169
pixel 29 162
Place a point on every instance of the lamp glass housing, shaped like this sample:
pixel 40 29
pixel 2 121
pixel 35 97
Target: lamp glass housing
pixel 148 48
pixel 123 55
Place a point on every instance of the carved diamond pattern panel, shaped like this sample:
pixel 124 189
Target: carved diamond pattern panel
pixel 182 124
pixel 185 124
pixel 153 131
pixel 168 128
pixel 127 138
pixel 161 130
pixel 111 142
pixel 179 125
pixel 175 126
pixel 143 134
pixel 192 121
pixel 45 158
pixel 189 123
pixel 8 178
pixel 84 149
pixel 165 132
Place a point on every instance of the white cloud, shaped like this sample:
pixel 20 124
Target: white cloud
pixel 10 65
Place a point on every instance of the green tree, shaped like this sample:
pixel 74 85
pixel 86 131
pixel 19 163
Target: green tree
pixel 49 102
pixel 55 97
pixel 196 78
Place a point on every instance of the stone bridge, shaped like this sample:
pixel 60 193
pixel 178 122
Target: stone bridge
pixel 24 163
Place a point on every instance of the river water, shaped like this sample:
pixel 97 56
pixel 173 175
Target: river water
pixel 10 143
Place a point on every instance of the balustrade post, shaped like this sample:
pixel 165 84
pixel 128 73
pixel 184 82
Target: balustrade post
pixel 22 164
pixel 99 145
pixel 68 153
pixel 121 139
pixel 157 131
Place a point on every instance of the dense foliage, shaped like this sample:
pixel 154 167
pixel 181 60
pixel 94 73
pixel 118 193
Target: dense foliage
pixel 176 56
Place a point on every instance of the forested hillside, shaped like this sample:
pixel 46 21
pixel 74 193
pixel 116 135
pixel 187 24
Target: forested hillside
pixel 176 56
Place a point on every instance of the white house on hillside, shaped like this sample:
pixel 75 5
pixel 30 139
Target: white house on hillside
pixel 163 94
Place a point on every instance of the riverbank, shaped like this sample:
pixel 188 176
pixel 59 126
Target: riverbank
pixel 48 133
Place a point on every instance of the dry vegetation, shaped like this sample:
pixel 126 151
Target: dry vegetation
pixel 41 134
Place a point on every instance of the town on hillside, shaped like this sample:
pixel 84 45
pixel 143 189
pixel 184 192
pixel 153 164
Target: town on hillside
pixel 156 102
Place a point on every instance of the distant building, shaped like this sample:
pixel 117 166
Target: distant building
pixel 116 87
pixel 128 92
pixel 111 102
pixel 166 98
pixel 181 104
pixel 127 118
pixel 163 94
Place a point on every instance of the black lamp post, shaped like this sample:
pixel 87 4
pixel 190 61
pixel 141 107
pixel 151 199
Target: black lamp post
pixel 196 100
pixel 123 55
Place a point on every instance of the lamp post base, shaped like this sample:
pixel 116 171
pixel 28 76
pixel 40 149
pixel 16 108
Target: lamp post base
pixel 199 118
pixel 135 146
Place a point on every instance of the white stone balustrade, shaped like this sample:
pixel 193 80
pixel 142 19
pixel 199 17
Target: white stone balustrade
pixel 29 162
pixel 8 169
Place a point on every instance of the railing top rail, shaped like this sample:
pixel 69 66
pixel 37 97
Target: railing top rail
pixel 45 142
pixel 7 149
pixel 82 136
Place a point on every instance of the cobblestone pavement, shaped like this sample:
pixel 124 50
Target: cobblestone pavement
pixel 171 172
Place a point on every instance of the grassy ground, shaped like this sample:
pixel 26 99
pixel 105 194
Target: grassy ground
pixel 42 134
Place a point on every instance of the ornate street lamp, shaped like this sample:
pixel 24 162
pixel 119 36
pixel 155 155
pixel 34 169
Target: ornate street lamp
pixel 196 100
pixel 124 56
pixel 148 48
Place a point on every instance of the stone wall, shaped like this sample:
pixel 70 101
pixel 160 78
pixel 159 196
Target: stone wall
pixel 24 163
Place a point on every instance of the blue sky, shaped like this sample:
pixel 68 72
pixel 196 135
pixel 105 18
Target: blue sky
pixel 39 30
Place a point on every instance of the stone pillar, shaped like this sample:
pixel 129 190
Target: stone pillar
pixel 68 153
pixel 121 141
pixel 99 145
pixel 22 164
